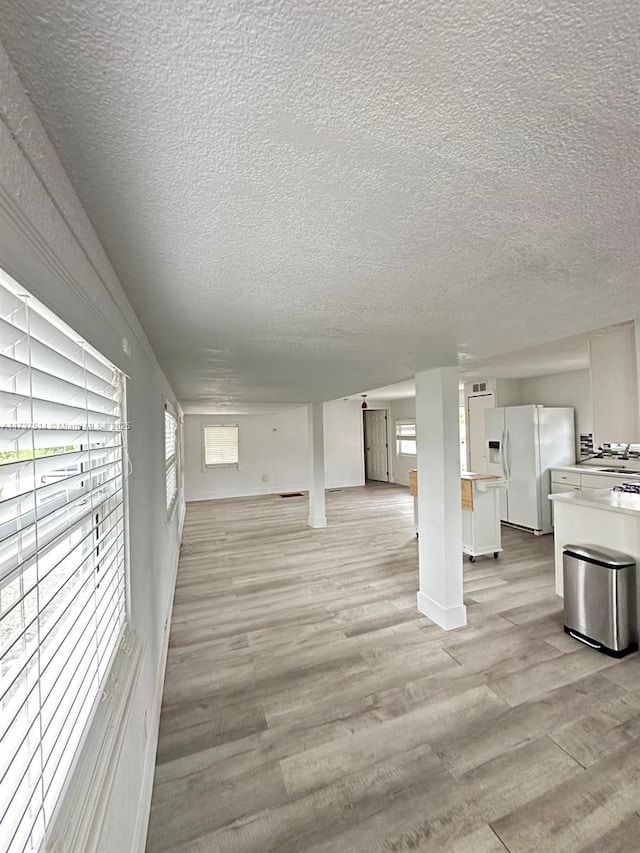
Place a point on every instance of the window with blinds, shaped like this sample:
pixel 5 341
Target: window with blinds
pixel 220 445
pixel 170 458
pixel 62 554
pixel 406 437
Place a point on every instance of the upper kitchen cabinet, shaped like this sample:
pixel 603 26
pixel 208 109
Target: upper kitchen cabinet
pixel 614 385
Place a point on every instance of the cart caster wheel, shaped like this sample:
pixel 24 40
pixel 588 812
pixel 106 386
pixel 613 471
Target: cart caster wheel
pixel 472 559
pixel 495 555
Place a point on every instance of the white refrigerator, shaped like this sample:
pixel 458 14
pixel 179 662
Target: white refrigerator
pixel 523 443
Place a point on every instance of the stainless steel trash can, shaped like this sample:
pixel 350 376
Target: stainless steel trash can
pixel 600 598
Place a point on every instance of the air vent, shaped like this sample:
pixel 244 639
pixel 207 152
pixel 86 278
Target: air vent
pixel 479 386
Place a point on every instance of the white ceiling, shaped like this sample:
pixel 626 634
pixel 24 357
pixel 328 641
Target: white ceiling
pixel 568 354
pixel 304 200
pixel 554 357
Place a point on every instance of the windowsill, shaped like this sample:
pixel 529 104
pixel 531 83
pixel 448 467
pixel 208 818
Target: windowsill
pixel 224 465
pixel 171 514
pixel 77 822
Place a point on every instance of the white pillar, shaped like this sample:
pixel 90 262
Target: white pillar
pixel 317 517
pixel 439 513
pixel 636 334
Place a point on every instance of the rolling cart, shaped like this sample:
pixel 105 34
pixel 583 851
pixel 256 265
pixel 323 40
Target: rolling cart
pixel 481 533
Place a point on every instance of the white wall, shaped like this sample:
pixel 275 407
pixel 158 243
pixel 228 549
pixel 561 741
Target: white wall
pixel 405 408
pixel 48 245
pixel 614 386
pixel 343 444
pixel 509 392
pixel 275 446
pixel 563 389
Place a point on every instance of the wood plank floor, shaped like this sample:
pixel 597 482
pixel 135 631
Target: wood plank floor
pixel 309 707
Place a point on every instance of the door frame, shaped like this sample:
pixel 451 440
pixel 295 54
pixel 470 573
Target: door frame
pixel 467 414
pixel 390 437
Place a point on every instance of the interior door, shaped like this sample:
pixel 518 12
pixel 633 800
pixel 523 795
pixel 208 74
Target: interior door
pixel 476 432
pixel 522 468
pixel 375 443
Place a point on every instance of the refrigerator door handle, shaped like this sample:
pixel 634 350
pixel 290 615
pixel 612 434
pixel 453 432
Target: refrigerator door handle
pixel 503 458
pixel 507 448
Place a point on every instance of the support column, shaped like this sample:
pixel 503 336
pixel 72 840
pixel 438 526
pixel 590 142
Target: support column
pixel 439 513
pixel 636 334
pixel 317 516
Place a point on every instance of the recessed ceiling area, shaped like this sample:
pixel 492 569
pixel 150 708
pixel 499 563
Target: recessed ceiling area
pixel 561 356
pixel 554 357
pixel 304 200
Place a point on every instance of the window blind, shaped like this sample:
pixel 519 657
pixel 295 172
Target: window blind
pixel 220 445
pixel 406 437
pixel 171 458
pixel 62 554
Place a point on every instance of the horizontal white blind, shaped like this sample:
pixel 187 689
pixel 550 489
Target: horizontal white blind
pixel 220 445
pixel 62 563
pixel 405 428
pixel 171 458
pixel 406 437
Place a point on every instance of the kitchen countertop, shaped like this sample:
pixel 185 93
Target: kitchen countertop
pixel 592 469
pixel 471 476
pixel 605 499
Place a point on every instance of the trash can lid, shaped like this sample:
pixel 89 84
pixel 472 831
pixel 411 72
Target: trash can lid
pixel 602 556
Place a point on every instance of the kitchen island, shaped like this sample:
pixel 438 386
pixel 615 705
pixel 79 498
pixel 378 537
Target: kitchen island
pixel 597 517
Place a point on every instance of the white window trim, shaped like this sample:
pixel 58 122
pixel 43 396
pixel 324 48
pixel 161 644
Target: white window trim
pixel 172 461
pixel 399 438
pixel 215 466
pixel 78 821
pixel 90 775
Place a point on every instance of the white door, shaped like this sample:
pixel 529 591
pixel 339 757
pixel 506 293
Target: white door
pixel 375 443
pixel 476 432
pixel 521 449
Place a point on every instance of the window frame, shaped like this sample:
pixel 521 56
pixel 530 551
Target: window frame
pixel 219 465
pixel 102 557
pixel 172 461
pixel 400 422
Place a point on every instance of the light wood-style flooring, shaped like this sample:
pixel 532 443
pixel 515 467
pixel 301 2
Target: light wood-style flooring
pixel 309 707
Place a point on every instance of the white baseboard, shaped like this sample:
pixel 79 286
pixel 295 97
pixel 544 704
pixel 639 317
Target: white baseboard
pixel 446 617
pixel 146 789
pixel 268 490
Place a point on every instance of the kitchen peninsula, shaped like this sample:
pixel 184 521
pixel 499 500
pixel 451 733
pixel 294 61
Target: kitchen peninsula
pixel 597 517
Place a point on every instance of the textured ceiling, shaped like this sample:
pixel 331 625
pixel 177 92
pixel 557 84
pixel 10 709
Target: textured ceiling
pixel 308 199
pixel 542 360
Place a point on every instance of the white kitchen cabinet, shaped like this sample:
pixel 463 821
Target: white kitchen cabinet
pixel 569 478
pixel 563 480
pixel 559 488
pixel 590 479
pixel 599 519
